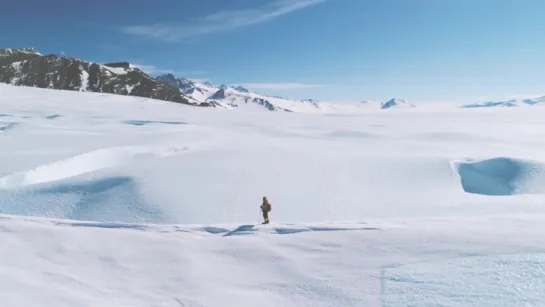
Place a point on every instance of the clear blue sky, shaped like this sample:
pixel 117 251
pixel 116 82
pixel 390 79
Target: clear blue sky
pixel 421 50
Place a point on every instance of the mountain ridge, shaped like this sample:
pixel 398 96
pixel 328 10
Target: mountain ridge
pixel 512 103
pixel 28 67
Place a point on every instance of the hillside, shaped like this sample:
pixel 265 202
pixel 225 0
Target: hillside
pixel 236 97
pixel 27 67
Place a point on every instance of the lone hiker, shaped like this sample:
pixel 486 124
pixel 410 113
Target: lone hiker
pixel 266 208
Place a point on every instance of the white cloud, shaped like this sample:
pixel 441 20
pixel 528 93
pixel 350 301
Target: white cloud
pixel 279 86
pixel 154 70
pixel 219 22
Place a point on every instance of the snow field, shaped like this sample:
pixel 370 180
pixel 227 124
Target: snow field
pixel 123 201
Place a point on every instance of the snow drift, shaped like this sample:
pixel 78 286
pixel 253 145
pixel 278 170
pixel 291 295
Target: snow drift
pixel 502 176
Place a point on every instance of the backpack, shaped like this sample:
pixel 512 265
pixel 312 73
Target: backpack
pixel 267 207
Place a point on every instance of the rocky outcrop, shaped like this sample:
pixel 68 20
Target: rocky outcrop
pixel 27 67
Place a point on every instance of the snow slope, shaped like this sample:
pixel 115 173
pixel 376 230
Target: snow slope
pixel 113 200
pixel 238 97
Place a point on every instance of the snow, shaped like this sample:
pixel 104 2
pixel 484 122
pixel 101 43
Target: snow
pixel 84 79
pixel 17 67
pixel 129 88
pixel 115 70
pixel 502 176
pixel 238 97
pixel 9 51
pixel 201 91
pixel 111 200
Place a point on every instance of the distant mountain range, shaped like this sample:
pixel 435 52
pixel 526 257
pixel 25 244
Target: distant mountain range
pixel 508 103
pixel 28 67
pixel 236 96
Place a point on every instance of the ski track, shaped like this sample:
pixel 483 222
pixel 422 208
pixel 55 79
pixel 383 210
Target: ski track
pixel 148 122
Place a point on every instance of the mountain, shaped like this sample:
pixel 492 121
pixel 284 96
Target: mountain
pixel 27 67
pixel 507 104
pixel 197 91
pixel 396 103
pixel 231 97
pixel 242 89
pixel 7 52
pixel 172 81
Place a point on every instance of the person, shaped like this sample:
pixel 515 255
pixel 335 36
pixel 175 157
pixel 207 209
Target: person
pixel 265 207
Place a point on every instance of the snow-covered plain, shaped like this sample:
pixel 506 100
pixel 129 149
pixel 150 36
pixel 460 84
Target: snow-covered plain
pixel 123 201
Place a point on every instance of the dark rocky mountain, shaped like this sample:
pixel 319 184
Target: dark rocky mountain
pixel 219 95
pixel 172 81
pixel 228 96
pixel 27 67
pixel 396 103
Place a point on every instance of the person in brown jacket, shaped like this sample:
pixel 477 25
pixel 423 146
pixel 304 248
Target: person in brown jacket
pixel 266 208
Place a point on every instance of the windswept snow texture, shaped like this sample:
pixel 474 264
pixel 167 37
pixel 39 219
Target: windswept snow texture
pixel 109 200
pixel 502 176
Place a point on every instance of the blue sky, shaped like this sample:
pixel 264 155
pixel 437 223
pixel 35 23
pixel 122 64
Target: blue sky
pixel 341 50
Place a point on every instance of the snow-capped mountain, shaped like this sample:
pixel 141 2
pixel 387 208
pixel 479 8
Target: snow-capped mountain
pixel 27 67
pixel 17 52
pixel 507 104
pixel 236 96
pixel 396 103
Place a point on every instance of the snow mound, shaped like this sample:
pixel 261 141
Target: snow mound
pixel 80 164
pixel 501 176
pixel 107 199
